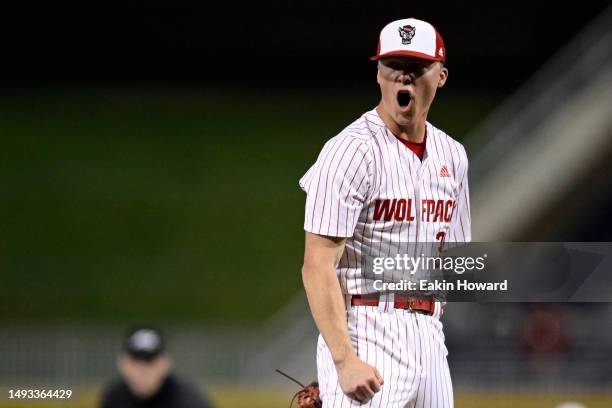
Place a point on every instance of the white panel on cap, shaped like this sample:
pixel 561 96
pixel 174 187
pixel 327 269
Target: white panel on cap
pixel 146 340
pixel 424 39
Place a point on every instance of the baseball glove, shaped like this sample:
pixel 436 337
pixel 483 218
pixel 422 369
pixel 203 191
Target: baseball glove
pixel 307 396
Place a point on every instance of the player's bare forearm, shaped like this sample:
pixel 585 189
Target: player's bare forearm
pixel 325 297
pixel 357 379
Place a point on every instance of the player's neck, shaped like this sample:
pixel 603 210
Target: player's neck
pixel 413 132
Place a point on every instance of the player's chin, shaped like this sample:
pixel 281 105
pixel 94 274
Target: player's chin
pixel 403 116
pixel 404 113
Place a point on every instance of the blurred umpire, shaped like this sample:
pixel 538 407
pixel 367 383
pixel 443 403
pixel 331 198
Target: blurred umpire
pixel 147 381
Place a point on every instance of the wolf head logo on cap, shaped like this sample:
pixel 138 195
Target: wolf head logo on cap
pixel 407 32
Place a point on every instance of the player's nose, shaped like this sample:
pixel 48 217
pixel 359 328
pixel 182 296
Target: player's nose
pixel 405 78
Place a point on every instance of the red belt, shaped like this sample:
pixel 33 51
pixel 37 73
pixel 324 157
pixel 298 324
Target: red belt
pixel 400 302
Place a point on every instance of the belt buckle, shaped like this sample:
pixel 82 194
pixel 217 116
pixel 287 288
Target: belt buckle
pixel 410 305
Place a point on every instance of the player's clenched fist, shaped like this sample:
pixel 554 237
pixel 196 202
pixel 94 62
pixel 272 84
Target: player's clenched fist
pixel 358 380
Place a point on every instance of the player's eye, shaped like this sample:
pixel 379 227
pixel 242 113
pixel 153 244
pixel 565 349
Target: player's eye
pixel 419 68
pixel 415 67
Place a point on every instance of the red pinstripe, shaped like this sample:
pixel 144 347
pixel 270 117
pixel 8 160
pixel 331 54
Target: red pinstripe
pixel 319 183
pixel 390 368
pixel 327 180
pixel 340 188
pixel 347 193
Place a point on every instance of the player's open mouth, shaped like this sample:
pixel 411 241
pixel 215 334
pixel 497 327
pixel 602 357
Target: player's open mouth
pixel 403 98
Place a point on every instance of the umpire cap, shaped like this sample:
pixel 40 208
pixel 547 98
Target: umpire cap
pixel 143 343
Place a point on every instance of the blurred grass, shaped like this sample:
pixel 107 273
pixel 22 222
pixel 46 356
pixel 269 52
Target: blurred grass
pixel 159 205
pixel 233 397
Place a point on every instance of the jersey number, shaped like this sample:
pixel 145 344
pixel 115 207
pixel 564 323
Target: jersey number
pixel 441 236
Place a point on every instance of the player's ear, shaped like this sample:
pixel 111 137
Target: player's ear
pixel 443 76
pixel 378 72
pixel 168 362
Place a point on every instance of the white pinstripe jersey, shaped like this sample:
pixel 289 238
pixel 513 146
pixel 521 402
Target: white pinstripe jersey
pixel 369 187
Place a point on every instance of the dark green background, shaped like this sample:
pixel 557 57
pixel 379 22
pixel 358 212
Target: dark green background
pixel 165 204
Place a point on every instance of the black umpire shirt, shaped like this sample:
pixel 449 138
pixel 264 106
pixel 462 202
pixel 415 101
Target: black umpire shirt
pixel 172 394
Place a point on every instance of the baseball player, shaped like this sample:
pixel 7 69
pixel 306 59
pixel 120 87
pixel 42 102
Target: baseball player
pixel 388 179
